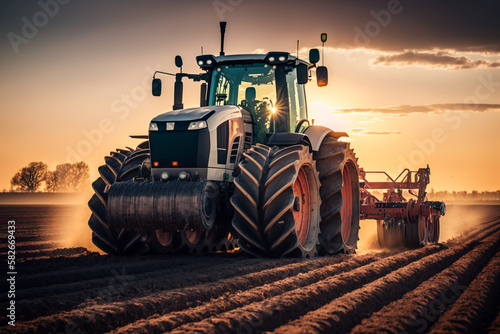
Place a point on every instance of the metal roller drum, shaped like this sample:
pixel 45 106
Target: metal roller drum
pixel 170 206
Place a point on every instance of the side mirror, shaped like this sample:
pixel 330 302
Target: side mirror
pixel 313 56
pixel 178 61
pixel 302 74
pixel 322 76
pixel 156 87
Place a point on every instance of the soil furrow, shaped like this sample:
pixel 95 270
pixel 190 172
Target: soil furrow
pixel 276 311
pixel 475 305
pixel 121 285
pixel 419 309
pixel 87 271
pixel 232 301
pixel 342 314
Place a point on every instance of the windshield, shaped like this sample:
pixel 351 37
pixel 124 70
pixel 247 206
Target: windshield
pixel 251 86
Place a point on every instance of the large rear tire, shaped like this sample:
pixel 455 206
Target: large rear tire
pixel 340 204
pixel 276 202
pixel 121 165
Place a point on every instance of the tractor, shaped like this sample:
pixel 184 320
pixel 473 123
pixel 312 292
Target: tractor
pixel 247 169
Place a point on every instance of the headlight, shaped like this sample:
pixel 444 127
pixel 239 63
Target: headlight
pixel 197 125
pixel 170 126
pixel 153 126
pixel 164 176
pixel 206 61
pixel 277 57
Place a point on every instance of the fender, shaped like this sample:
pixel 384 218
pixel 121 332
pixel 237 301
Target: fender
pixel 288 139
pixel 316 134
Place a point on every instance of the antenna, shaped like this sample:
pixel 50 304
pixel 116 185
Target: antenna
pixel 222 32
pixel 298 42
pixel 202 50
pixel 323 39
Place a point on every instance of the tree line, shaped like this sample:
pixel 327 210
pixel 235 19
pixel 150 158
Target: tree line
pixel 68 177
pixel 474 195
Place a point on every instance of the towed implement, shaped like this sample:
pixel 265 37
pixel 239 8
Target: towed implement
pixel 401 222
pixel 248 169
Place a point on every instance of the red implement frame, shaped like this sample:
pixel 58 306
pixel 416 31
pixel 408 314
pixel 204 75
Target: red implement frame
pixel 393 204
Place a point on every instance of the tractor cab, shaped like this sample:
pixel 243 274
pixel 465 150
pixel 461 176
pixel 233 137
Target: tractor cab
pixel 269 86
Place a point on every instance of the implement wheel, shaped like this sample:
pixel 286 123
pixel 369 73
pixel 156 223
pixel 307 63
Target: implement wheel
pixel 408 233
pixel 164 242
pixel 428 229
pixel 194 241
pixel 276 202
pixel 391 233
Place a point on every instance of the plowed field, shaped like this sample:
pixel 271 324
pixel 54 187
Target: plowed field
pixel 453 286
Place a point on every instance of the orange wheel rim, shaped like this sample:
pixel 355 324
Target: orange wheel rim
pixel 164 238
pixel 193 237
pixel 346 211
pixel 303 215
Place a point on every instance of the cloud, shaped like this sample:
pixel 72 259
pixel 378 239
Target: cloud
pixel 259 51
pixel 436 59
pixel 383 25
pixel 397 110
pixel 404 110
pixel 364 132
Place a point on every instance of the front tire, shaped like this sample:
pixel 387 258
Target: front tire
pixel 121 165
pixel 276 202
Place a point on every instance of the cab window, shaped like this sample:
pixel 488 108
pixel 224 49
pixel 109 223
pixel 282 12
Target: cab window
pixel 296 99
pixel 251 86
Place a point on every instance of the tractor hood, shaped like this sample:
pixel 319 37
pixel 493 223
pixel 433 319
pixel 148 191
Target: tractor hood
pixel 194 114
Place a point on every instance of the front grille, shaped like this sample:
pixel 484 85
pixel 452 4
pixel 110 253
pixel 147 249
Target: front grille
pixel 189 148
pixel 234 150
pixel 222 142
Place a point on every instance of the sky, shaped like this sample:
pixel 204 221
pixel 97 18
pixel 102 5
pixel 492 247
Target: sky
pixel 412 82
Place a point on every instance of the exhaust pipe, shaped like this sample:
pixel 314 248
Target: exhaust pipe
pixel 222 32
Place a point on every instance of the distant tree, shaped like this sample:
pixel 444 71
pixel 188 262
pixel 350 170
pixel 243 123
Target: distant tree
pixel 29 178
pixel 51 181
pixel 78 175
pixel 67 177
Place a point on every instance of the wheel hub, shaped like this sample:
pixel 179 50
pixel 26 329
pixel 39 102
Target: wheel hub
pixel 302 206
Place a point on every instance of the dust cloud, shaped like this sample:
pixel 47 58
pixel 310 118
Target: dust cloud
pixel 460 220
pixel 368 241
pixel 75 231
